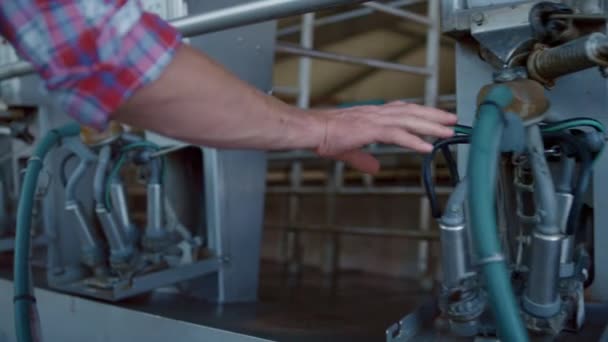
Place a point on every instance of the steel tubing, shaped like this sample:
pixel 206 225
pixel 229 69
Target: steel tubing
pixel 362 231
pixel 329 56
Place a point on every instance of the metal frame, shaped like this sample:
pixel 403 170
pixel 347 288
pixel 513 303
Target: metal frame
pixel 289 251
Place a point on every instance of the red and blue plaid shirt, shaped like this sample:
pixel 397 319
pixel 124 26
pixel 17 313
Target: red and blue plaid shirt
pixel 92 54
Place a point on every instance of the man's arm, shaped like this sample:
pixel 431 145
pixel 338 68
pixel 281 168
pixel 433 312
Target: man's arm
pixel 110 58
pixel 198 101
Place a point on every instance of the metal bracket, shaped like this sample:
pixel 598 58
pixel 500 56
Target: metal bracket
pixel 504 32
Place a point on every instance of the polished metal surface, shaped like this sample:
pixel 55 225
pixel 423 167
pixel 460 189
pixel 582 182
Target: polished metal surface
pixel 504 31
pixel 72 319
pixel 88 236
pixel 155 226
pixel 541 298
pixel 116 237
pixel 234 181
pixel 455 261
pixel 120 206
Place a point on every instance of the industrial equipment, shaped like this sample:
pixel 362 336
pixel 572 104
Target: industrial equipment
pixel 16 141
pixel 522 234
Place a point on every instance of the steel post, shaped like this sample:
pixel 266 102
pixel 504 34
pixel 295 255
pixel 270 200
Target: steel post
pixel 430 99
pixel 304 72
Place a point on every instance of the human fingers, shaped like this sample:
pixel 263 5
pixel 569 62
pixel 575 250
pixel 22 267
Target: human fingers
pixel 361 161
pixel 429 113
pixel 401 137
pixel 417 125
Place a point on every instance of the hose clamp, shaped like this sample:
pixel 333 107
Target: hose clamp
pixel 496 258
pixel 33 159
pixel 24 297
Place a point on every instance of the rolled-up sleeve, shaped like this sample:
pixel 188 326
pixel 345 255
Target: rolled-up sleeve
pixel 92 54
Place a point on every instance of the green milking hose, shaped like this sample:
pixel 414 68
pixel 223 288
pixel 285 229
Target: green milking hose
pixel 24 299
pixel 482 172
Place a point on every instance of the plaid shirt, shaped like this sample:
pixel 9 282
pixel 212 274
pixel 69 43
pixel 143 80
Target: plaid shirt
pixel 91 54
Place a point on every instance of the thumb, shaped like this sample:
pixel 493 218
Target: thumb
pixel 360 160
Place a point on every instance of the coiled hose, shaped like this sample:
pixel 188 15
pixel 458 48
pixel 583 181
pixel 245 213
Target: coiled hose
pixel 482 173
pixel 24 300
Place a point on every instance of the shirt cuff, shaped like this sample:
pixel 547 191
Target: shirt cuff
pixel 92 55
pixel 133 60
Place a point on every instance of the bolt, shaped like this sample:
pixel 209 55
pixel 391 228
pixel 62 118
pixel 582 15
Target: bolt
pixel 478 18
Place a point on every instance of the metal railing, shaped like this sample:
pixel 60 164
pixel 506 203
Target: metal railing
pixel 218 20
pixel 334 184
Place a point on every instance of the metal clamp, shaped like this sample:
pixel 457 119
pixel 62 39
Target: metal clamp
pixel 496 258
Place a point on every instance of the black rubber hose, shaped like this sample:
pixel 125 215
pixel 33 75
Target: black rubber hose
pixel 427 176
pixel 451 163
pixel 588 242
pixel 583 179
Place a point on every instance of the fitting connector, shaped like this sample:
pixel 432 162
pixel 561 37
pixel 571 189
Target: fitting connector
pixel 528 99
pixel 546 64
pixel 541 298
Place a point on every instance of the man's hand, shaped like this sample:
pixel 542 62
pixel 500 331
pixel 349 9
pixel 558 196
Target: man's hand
pixel 398 123
pixel 198 101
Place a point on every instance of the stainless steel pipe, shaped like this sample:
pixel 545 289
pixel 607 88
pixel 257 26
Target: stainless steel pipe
pixel 330 56
pixel 121 209
pixel 218 20
pixel 541 297
pixel 155 228
pixel 250 13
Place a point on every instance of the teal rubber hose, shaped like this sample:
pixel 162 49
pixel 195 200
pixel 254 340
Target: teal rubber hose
pixel 482 171
pixel 24 300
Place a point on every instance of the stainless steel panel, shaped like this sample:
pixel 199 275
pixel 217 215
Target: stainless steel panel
pixel 71 319
pixel 235 180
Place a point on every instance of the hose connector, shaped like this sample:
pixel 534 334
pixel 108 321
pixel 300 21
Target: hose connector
pixel 546 64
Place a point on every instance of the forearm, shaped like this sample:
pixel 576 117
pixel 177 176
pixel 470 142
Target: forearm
pixel 198 101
